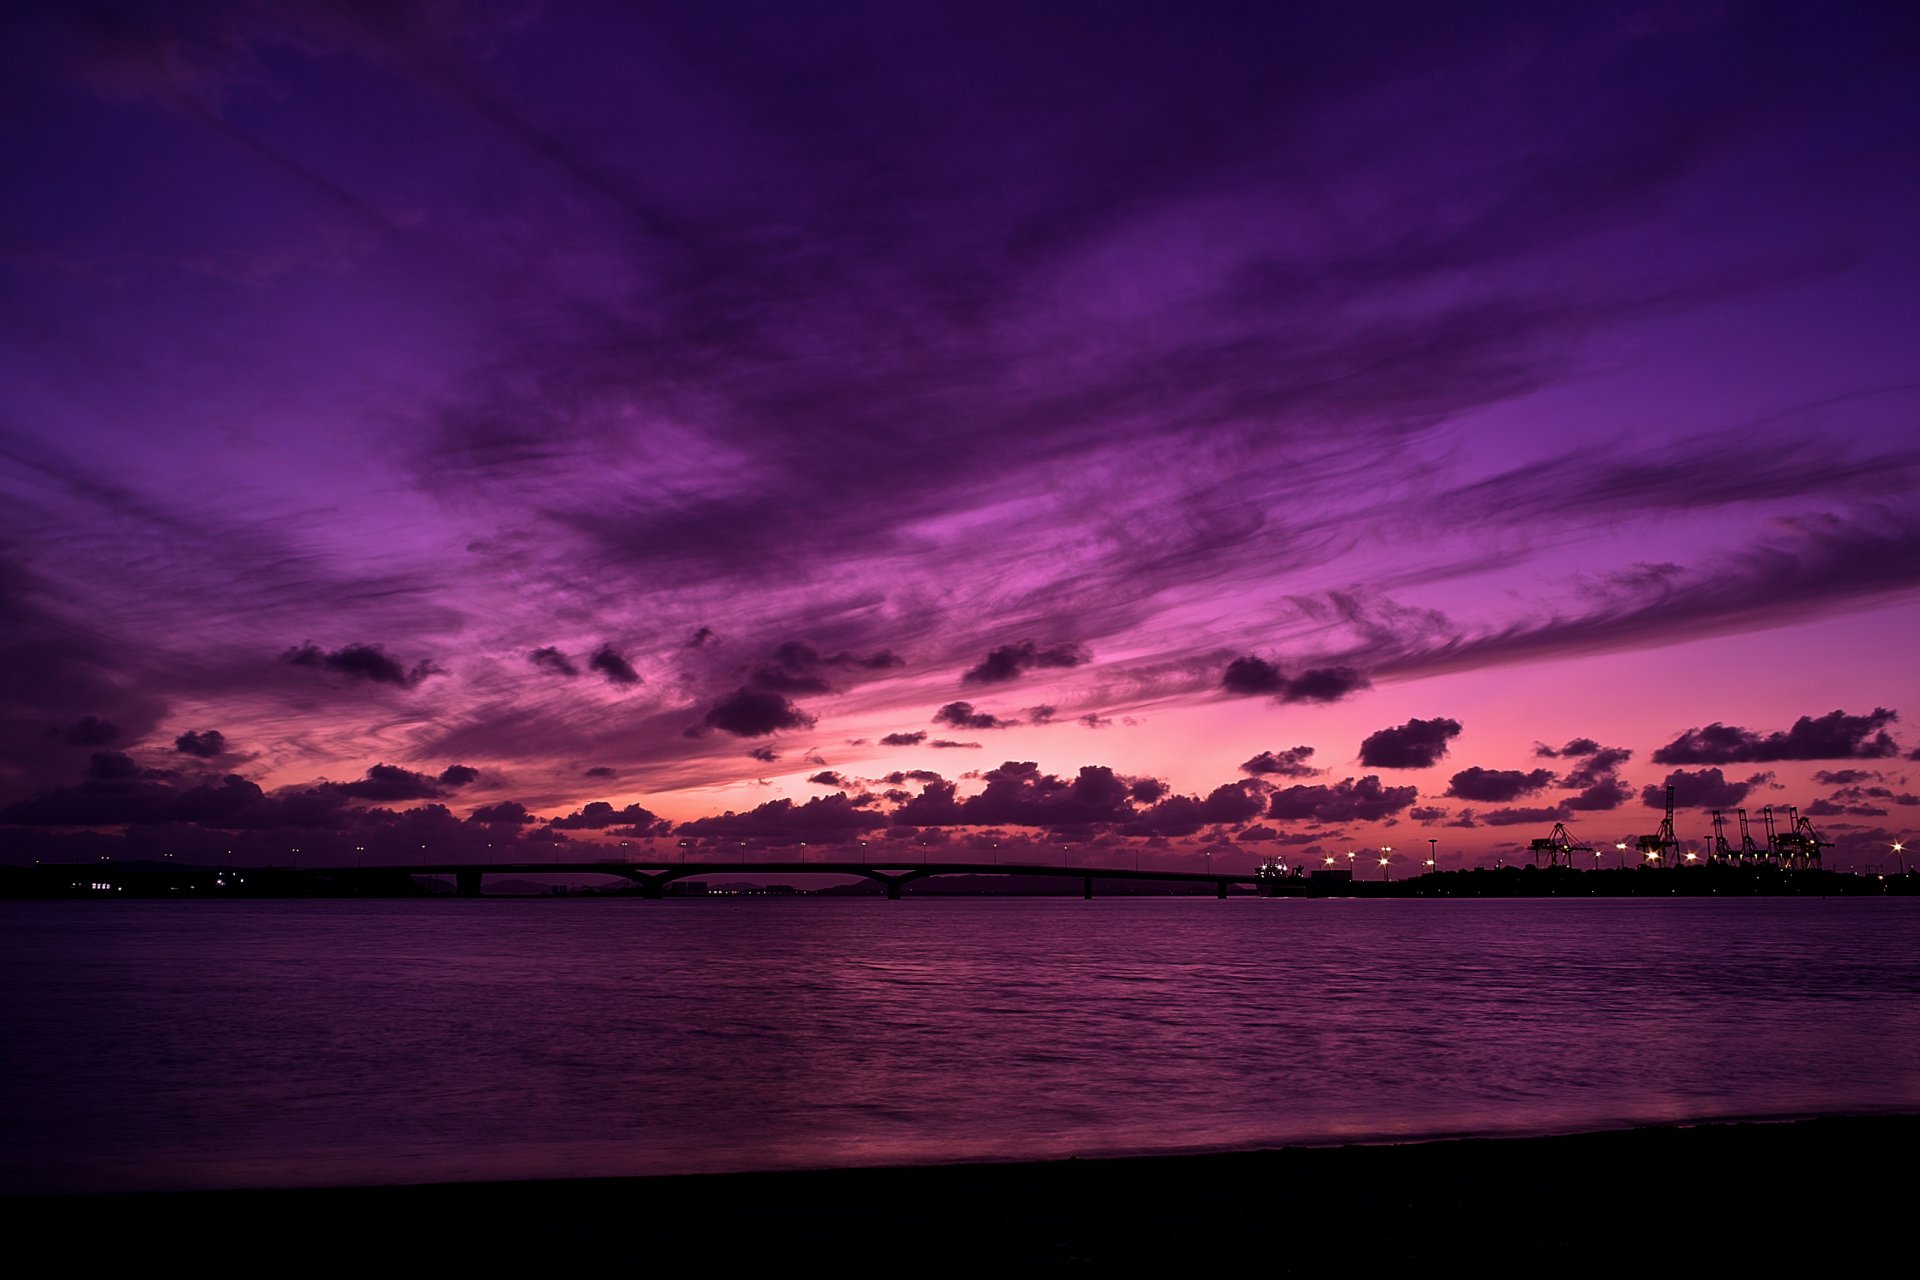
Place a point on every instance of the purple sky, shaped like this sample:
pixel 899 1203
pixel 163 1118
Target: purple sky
pixel 955 423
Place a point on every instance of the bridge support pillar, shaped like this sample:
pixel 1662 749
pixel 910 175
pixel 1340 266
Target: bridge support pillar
pixel 893 891
pixel 653 887
pixel 1086 887
pixel 1220 889
pixel 467 883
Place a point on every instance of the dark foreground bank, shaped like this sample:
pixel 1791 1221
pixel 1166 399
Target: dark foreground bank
pixel 1769 1195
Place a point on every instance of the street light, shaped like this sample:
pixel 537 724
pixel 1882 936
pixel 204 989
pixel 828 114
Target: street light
pixel 1433 852
pixel 1386 871
pixel 1900 852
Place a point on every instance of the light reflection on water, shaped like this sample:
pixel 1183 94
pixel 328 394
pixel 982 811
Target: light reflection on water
pixel 302 1043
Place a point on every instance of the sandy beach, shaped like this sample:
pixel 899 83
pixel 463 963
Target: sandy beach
pixel 1807 1192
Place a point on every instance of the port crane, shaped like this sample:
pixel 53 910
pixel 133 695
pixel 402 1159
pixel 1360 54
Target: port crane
pixel 1659 846
pixel 1800 845
pixel 1560 843
pixel 1721 851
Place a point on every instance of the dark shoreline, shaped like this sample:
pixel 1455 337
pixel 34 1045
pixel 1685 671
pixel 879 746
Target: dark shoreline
pixel 1762 1194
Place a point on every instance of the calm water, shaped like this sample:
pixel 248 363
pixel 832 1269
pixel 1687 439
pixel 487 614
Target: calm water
pixel 276 1043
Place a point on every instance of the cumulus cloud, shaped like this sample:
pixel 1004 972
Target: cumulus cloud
pixel 828 778
pixel 550 659
pixel 1253 675
pixel 1608 792
pixel 1497 786
pixel 599 815
pixel 755 713
pixel 1019 793
pixel 1576 747
pixel 1417 744
pixel 912 739
pixel 506 813
pixel 1291 763
pixel 1701 789
pixel 390 782
pixel 458 775
pixel 823 818
pixel 1845 777
pixel 1011 661
pixel 961 715
pixel 1364 800
pixel 1834 736
pixel 1600 764
pixel 610 663
pixel 203 743
pixel 360 662
pixel 1524 816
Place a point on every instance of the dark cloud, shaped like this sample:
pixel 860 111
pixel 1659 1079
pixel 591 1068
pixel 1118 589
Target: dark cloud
pixel 948 744
pixel 1365 800
pixel 700 639
pixel 1834 736
pixel 1147 790
pixel 458 775
pixel 754 713
pixel 551 659
pixel 764 753
pixel 117 793
pixel 1608 792
pixel 1426 813
pixel 1845 777
pixel 1254 675
pixel 360 662
pixel 828 778
pixel 1042 714
pixel 506 813
pixel 1417 744
pixel 88 731
pixel 610 663
pixel 1700 789
pixel 1291 763
pixel 1017 793
pixel 913 739
pixel 1232 803
pixel 1861 795
pixel 600 815
pixel 824 819
pixel 600 771
pixel 1601 764
pixel 389 782
pixel 961 715
pixel 1497 786
pixel 204 743
pixel 1525 817
pixel 112 766
pixel 1577 747
pixel 1094 720
pixel 1011 661
pixel 899 776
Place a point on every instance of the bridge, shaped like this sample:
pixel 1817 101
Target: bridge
pixel 654 877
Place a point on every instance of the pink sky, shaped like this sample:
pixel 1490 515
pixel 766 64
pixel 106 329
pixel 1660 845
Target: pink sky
pixel 367 376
